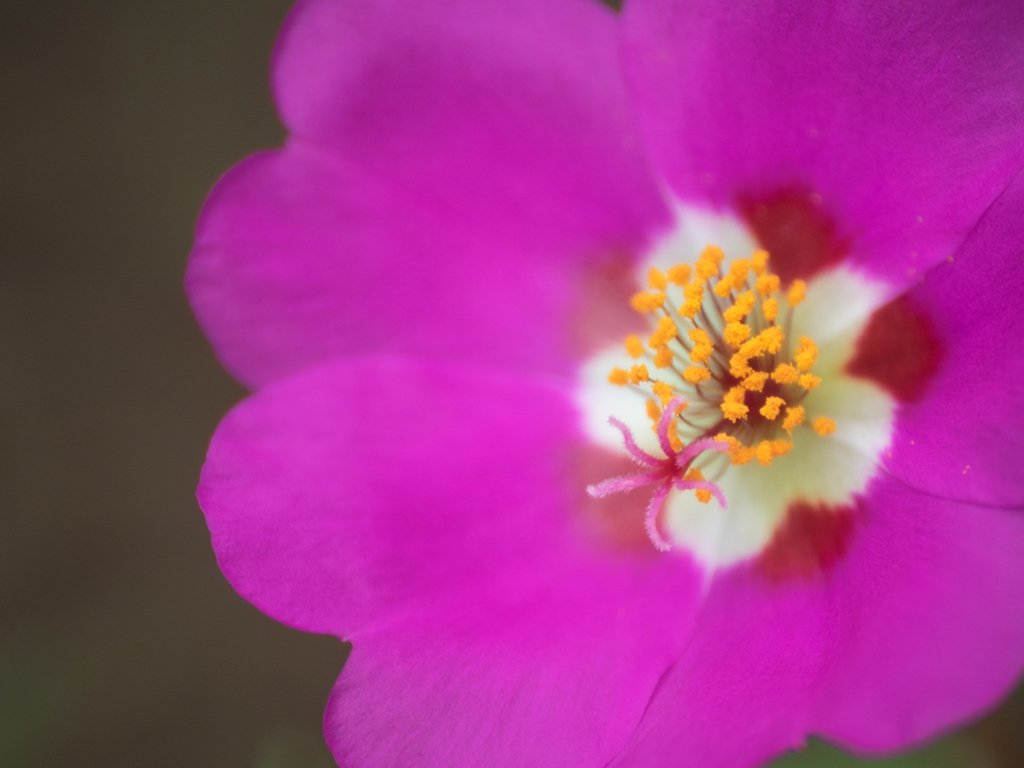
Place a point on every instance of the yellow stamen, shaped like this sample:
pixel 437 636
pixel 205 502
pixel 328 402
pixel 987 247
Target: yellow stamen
pixel 713 253
pixel 725 286
pixel 767 284
pixel 759 261
pixel 695 475
pixel 647 302
pixel 770 309
pixel 772 406
pixel 794 417
pixel 735 334
pixel 806 355
pixel 679 274
pixel 663 358
pixel 653 412
pixel 664 334
pixel 732 406
pixel 823 426
pixel 785 374
pixel 755 381
pixel 781 447
pixel 656 279
pixel 634 347
pixel 809 381
pixel 797 292
pixel 618 377
pixel 771 339
pixel 639 373
pixel 701 352
pixel 764 453
pixel 664 391
pixel 739 310
pixel 695 374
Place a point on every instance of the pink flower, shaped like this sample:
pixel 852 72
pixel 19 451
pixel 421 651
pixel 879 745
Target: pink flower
pixel 428 284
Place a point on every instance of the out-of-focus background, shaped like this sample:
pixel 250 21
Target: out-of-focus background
pixel 120 642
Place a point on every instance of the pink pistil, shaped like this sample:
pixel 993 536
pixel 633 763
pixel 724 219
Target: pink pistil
pixel 668 471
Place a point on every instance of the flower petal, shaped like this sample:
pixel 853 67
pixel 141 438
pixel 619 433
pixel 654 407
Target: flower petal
pixel 435 516
pixel 965 437
pixel 914 630
pixel 446 170
pixel 887 129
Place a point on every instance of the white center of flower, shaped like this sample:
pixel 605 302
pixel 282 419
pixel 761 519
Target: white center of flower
pixel 821 473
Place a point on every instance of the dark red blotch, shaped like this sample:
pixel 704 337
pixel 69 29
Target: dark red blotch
pixel 811 539
pixel 791 225
pixel 898 349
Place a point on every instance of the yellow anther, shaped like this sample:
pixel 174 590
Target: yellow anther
pixel 732 404
pixel 764 453
pixel 694 475
pixel 664 334
pixel 618 377
pixel 806 355
pixel 634 347
pixel 701 353
pixel 785 374
pixel 679 274
pixel 742 455
pixel 755 381
pixel 735 334
pixel 694 290
pixel 734 411
pixel 656 279
pixel 713 253
pixel 759 261
pixel 722 437
pixel 738 272
pixel 739 365
pixel 797 292
pixel 725 286
pixel 794 418
pixel 739 310
pixel 705 268
pixel 653 411
pixel 699 336
pixel 735 395
pixel 809 381
pixel 647 302
pixel 639 373
pixel 770 309
pixel 767 284
pixel 823 426
pixel 781 447
pixel 695 374
pixel 663 358
pixel 771 339
pixel 664 391
pixel 772 406
pixel 689 308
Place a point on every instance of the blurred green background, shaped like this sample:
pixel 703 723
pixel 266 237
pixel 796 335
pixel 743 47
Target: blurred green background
pixel 120 643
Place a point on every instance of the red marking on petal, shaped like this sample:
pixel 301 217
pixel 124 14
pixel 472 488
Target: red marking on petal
pixel 800 237
pixel 601 315
pixel 898 349
pixel 616 520
pixel 811 539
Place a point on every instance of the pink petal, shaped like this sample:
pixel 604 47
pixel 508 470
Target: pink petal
pixel 454 180
pixel 915 630
pixel 964 438
pixel 883 131
pixel 435 517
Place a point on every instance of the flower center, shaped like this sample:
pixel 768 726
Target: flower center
pixel 722 379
